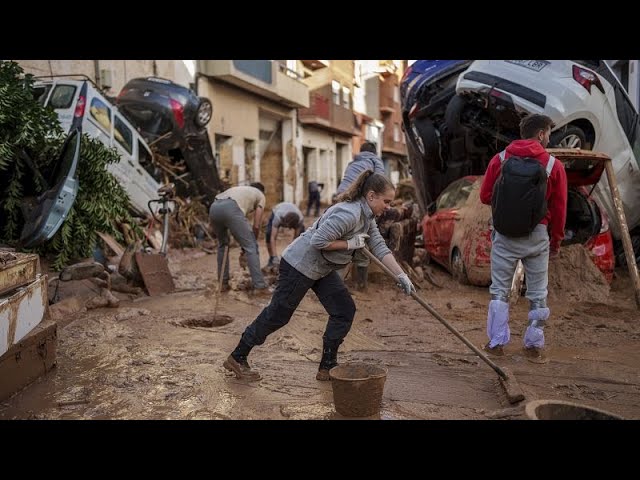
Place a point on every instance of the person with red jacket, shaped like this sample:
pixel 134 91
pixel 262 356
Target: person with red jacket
pixel 533 250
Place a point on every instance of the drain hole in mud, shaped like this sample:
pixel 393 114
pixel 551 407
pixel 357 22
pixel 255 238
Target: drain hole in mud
pixel 205 322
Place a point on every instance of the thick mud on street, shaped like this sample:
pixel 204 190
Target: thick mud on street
pixel 161 357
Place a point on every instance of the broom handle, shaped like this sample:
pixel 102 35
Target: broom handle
pixel 439 317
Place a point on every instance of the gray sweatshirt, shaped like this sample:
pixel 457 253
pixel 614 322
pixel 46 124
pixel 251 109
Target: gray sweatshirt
pixel 342 221
pixel 363 161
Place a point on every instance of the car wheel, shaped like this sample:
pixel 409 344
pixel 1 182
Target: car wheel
pixel 204 112
pixel 452 115
pixel 428 143
pixel 458 270
pixel 568 137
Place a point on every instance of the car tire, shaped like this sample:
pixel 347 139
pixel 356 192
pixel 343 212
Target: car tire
pixel 452 116
pixel 428 143
pixel 458 269
pixel 568 137
pixel 204 112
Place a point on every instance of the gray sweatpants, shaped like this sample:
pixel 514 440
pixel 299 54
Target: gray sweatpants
pixel 533 250
pixel 225 216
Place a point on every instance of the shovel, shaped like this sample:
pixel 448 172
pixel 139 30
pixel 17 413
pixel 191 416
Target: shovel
pixel 512 389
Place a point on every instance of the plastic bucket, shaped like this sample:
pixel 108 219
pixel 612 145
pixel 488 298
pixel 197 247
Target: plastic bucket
pixel 560 410
pixel 357 389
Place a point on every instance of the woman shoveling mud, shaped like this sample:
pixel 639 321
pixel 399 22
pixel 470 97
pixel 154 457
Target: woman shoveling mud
pixel 311 261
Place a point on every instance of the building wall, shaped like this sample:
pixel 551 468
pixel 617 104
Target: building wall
pixel 324 166
pixel 121 70
pixel 239 116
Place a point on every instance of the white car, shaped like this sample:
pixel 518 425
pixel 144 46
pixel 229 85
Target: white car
pixel 79 104
pixel 587 103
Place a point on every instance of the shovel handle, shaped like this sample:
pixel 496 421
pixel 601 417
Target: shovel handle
pixel 439 317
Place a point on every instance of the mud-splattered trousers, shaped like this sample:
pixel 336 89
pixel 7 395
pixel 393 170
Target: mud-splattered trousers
pixel 533 250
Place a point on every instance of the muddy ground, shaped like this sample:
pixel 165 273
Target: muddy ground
pixel 161 358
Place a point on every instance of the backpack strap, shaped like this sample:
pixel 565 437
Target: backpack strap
pixel 550 163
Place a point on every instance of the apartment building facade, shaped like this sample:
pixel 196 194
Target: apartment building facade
pixel 254 124
pixel 327 125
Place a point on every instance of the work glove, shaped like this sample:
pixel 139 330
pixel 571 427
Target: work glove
pixel 357 241
pixel 405 284
pixel 274 260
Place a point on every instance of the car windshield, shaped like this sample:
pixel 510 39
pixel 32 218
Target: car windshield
pixel 148 121
pixel 454 195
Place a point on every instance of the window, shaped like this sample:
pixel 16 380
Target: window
pixel 40 93
pixel 335 90
pixel 396 132
pixel 101 113
pixel 122 134
pixel 146 161
pixel 396 94
pixel 346 103
pixel 259 69
pixel 454 195
pixel 62 96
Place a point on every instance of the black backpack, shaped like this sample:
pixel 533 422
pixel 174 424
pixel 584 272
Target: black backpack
pixel 519 195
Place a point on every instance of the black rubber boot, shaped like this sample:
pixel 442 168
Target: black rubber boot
pixel 329 360
pixel 362 275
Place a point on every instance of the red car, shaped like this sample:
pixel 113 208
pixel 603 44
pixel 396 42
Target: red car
pixel 457 227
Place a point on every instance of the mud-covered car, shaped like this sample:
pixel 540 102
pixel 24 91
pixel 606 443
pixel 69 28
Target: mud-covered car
pixel 173 119
pixel 457 226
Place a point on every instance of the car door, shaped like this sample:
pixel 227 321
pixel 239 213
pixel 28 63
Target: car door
pixel 140 186
pixel 52 207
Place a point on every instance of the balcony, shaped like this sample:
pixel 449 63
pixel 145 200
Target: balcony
pixel 389 144
pixel 323 113
pixel 315 64
pixel 262 77
pixel 387 101
pixel 387 67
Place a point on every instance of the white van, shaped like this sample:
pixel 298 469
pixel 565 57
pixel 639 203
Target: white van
pixel 79 104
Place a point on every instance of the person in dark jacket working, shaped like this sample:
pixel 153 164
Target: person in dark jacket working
pixel 533 249
pixel 311 261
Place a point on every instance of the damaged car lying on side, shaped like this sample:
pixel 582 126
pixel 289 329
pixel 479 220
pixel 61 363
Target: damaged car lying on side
pixel 434 155
pixel 457 226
